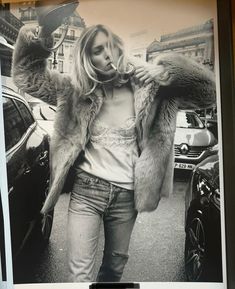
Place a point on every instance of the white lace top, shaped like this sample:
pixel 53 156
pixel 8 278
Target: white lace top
pixel 111 153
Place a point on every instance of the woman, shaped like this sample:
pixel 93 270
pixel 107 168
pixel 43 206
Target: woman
pixel 115 125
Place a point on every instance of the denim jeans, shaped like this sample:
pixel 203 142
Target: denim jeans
pixel 92 201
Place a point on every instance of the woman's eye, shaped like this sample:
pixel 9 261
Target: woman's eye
pixel 97 51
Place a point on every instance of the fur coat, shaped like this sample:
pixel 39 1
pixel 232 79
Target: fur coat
pixel 189 86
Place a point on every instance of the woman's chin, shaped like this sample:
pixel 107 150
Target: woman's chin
pixel 108 74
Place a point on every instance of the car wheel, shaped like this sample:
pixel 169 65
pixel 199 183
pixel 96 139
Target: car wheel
pixel 44 222
pixel 195 251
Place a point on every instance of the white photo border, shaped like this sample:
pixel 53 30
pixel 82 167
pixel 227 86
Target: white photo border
pixel 143 285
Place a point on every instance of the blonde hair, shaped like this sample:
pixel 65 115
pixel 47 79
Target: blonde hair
pixel 84 75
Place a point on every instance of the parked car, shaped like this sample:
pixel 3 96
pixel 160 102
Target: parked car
pixel 27 157
pixel 193 141
pixel 202 223
pixel 2 244
pixel 44 114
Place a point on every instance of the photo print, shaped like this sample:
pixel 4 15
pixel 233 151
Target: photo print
pixel 112 131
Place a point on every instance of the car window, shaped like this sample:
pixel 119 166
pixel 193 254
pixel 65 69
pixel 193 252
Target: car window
pixel 13 123
pixel 188 120
pixel 28 118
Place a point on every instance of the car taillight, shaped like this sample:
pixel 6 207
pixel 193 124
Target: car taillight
pixel 203 187
pixel 205 192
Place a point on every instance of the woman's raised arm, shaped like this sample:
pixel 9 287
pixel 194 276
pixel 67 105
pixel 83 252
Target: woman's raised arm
pixel 191 84
pixel 29 68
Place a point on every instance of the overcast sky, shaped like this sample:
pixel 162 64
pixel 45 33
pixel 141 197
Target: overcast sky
pixel 150 18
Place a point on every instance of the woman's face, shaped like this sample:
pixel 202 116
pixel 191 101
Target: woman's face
pixel 101 56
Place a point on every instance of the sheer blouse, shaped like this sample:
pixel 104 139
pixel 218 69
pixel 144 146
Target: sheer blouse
pixel 111 153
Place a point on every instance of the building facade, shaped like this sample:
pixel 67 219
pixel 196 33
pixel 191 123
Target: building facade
pixel 195 42
pixel 61 59
pixel 9 29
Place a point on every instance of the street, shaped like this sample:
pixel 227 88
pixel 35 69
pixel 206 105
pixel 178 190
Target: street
pixel 156 249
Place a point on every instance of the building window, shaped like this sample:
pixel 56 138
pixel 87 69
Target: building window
pixel 72 34
pixel 200 52
pixel 28 13
pixel 61 31
pixel 32 13
pixel 71 51
pixel 61 50
pixel 61 68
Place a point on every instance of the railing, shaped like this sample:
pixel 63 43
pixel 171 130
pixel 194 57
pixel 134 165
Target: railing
pixel 28 18
pixel 186 42
pixel 8 31
pixel 206 27
pixel 11 19
pixel 68 37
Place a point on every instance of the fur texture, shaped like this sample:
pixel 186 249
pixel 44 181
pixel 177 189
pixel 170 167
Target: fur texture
pixel 187 85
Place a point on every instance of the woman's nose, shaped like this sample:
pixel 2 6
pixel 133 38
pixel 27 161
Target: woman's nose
pixel 107 53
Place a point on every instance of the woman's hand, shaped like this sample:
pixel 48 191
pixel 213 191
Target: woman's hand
pixel 146 74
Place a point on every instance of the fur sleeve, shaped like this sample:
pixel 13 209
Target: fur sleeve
pixel 192 84
pixel 29 69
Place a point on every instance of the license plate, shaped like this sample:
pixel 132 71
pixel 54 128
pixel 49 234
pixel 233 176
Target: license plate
pixel 184 166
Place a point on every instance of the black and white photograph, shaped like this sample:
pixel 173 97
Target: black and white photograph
pixel 112 135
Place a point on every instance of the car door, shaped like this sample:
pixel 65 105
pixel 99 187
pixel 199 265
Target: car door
pixel 24 147
pixel 2 244
pixel 17 167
